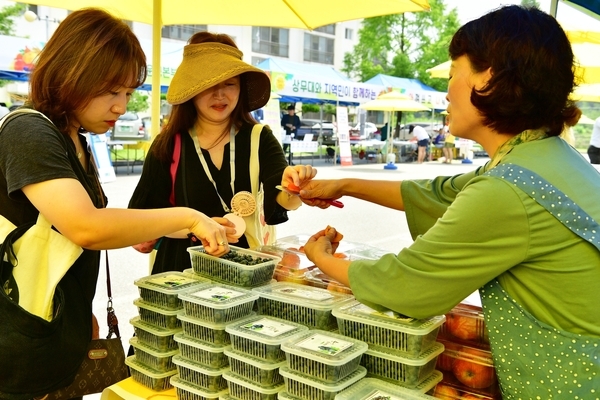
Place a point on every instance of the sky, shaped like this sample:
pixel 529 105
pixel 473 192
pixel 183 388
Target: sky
pixel 566 15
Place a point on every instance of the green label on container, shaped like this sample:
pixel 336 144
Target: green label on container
pixel 171 281
pixel 218 294
pixel 325 344
pixel 305 294
pixel 268 327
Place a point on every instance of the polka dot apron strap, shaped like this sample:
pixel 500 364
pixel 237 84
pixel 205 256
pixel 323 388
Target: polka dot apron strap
pixel 535 360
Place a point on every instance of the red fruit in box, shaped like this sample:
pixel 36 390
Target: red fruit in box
pixel 463 327
pixel 446 359
pixel 474 368
pixel 446 392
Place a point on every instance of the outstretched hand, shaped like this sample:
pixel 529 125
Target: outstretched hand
pixel 324 241
pixel 213 234
pixel 315 192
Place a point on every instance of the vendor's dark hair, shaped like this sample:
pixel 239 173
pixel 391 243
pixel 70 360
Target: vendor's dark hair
pixel 532 69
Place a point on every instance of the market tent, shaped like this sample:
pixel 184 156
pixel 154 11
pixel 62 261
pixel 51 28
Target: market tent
pixel 414 88
pixel 315 83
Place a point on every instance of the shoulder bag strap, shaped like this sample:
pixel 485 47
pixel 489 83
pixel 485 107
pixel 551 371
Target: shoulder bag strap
pixel 174 165
pixel 254 164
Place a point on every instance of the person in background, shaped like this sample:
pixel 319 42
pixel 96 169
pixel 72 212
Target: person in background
pixel 213 93
pixel 290 123
pixel 523 228
pixel 449 144
pixel 594 148
pixel 420 136
pixel 82 81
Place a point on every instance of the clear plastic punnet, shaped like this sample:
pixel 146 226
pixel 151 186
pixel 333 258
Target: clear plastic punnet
pixel 218 303
pixel 157 315
pixel 308 388
pixel 201 352
pixel 239 267
pixel 404 370
pixel 149 377
pixel 388 329
pixel 154 336
pixel 241 388
pixel 187 391
pixel 261 336
pixel 154 358
pixel 205 331
pixel 324 355
pixel 210 379
pixel 257 370
pixel 372 388
pixel 163 289
pixel 306 305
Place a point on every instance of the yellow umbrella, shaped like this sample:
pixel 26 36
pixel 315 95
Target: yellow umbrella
pixel 305 14
pixel 440 71
pixel 589 92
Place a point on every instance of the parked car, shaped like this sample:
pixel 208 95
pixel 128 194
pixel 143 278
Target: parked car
pixel 313 126
pixel 131 126
pixel 369 130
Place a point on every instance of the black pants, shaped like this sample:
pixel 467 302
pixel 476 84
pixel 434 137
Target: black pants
pixel 594 154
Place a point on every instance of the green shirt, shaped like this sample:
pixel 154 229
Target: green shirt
pixel 469 229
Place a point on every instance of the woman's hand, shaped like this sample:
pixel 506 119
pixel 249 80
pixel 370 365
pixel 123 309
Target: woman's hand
pixel 322 242
pixel 229 229
pixel 212 234
pixel 314 192
pixel 297 176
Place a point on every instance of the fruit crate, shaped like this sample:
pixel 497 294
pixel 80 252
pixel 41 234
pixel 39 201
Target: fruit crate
pixel 372 388
pixel 407 336
pixel 218 303
pixel 156 315
pixel 403 370
pixel 255 369
pixel 210 379
pixel 465 324
pixel 154 336
pixel 187 391
pixel 159 360
pixel 261 336
pixel 203 330
pixel 324 355
pixel 306 305
pixel 149 377
pixel 241 388
pixel 162 289
pixel 249 269
pixel 201 352
pixel 308 388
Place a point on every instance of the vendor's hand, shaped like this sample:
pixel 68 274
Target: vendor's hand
pixel 229 228
pixel 212 235
pixel 314 192
pixel 297 176
pixel 320 243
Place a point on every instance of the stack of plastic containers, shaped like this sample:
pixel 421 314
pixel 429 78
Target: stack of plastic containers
pixel 155 327
pixel 401 350
pixel 202 363
pixel 320 364
pixel 466 362
pixel 255 356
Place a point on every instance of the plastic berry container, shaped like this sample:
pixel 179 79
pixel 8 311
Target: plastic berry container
pixel 324 355
pixel 241 388
pixel 187 391
pixel 465 324
pixel 147 355
pixel 210 379
pixel 242 267
pixel 257 370
pixel 306 305
pixel 154 336
pixel 318 278
pixel 156 315
pixel 372 388
pixel 218 303
pixel 149 377
pixel 406 335
pixel 307 387
pixel 201 352
pixel 204 331
pixel 261 336
pixel 162 289
pixel 404 370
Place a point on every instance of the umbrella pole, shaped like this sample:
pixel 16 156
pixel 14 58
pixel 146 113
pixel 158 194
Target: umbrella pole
pixel 391 130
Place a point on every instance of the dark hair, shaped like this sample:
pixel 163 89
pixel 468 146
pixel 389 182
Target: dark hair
pixel 90 53
pixel 183 116
pixel 532 71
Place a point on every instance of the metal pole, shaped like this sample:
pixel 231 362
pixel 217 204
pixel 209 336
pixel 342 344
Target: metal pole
pixel 553 7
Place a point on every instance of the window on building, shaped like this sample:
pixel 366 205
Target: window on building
pixel 330 29
pixel 349 33
pixel 271 41
pixel 318 49
pixel 182 32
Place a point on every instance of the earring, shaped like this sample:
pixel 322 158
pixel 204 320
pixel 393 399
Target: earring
pixel 81 130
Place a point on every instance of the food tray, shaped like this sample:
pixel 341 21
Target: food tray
pixel 324 355
pixel 210 379
pixel 162 289
pixel 147 355
pixel 151 378
pixel 292 266
pixel 465 324
pixel 257 370
pixel 157 316
pixel 309 388
pixel 302 304
pixel 218 303
pixel 372 388
pixel 318 278
pixel 391 330
pixel 261 336
pixel 231 272
pixel 156 337
pixel 407 371
pixel 203 330
pixel 241 388
pixel 201 352
pixel 187 391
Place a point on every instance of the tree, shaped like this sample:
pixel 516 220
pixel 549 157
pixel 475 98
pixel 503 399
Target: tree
pixel 7 24
pixel 138 102
pixel 404 45
pixel 530 3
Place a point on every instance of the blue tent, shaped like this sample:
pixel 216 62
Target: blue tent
pixel 414 88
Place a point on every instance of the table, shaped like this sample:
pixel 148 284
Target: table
pixel 113 146
pixel 129 389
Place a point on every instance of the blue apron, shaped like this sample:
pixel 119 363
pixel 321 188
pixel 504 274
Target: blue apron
pixel 534 360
